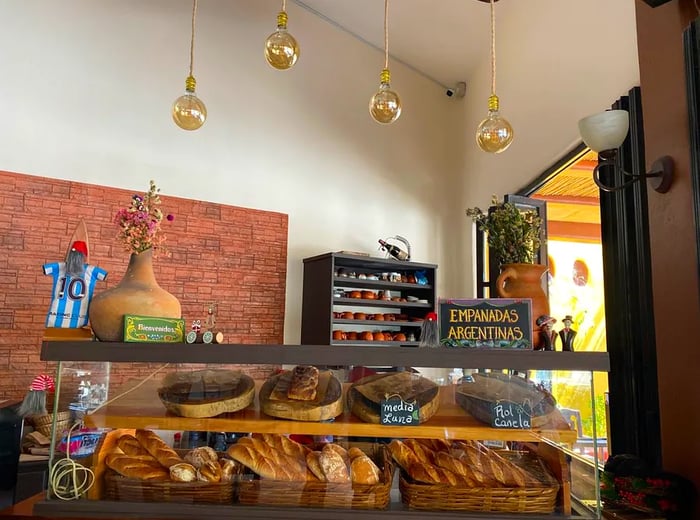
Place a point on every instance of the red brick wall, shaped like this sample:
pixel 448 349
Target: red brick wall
pixel 234 256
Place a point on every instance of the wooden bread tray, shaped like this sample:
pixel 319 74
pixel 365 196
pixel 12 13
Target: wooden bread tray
pixel 443 497
pixel 253 490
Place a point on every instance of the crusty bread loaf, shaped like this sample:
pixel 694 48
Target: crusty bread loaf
pixel 131 446
pixel 402 454
pixel 132 467
pixel 364 471
pixel 158 448
pixel 246 454
pixel 313 461
pixel 355 452
pixel 304 383
pixel 200 456
pixel 334 467
pixel 286 445
pixel 340 451
pixel 228 469
pixel 209 472
pixel 275 456
pixel 183 472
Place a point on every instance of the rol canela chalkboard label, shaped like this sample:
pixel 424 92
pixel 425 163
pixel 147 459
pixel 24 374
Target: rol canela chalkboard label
pixel 486 323
pixel 394 411
pixel 507 414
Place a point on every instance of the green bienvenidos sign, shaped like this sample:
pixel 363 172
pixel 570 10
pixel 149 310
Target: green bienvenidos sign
pixel 486 323
pixel 150 329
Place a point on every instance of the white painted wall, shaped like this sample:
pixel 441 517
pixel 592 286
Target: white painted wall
pixel 88 87
pixel 557 61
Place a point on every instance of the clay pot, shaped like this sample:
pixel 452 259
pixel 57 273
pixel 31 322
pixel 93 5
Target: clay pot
pixel 525 281
pixel 137 293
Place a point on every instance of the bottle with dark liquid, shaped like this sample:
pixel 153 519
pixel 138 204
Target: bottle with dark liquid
pixel 393 250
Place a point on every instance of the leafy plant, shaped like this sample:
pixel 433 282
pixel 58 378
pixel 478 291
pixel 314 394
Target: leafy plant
pixel 513 235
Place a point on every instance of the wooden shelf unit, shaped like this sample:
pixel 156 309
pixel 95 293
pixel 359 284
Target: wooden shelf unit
pixel 321 279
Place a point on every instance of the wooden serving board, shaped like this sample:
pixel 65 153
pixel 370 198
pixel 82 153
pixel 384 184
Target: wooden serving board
pixel 365 395
pixel 220 392
pixel 327 405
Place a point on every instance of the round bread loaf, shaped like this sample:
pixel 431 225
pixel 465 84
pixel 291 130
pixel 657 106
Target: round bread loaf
pixel 183 472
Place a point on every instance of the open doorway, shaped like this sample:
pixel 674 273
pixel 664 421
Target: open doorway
pixel 577 290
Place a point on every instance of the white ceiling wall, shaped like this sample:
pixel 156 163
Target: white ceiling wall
pixel 557 61
pixel 90 85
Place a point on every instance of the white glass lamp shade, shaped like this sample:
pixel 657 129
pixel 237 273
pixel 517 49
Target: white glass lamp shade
pixel 604 131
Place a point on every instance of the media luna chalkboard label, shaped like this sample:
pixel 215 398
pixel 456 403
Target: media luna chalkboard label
pixel 394 411
pixel 507 414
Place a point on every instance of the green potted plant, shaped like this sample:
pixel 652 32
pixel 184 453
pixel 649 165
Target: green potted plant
pixel 513 238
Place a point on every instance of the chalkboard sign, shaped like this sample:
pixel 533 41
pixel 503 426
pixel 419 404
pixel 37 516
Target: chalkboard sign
pixel 397 412
pixel 486 323
pixel 506 414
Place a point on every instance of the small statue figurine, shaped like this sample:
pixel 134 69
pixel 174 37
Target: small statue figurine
pixel 567 334
pixel 549 336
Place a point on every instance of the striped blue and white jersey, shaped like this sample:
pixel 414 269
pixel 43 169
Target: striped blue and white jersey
pixel 71 295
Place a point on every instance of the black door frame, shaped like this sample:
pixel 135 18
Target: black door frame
pixel 629 314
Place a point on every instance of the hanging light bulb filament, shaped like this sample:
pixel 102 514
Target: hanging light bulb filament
pixel 188 111
pixel 494 134
pixel 385 105
pixel 281 48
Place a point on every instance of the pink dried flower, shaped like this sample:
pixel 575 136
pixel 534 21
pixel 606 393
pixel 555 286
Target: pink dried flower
pixel 139 223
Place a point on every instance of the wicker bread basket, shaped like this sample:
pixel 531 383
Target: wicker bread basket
pixel 42 423
pixel 253 490
pixel 443 497
pixel 121 488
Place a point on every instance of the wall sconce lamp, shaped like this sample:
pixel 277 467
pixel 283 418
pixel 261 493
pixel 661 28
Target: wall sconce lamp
pixel 604 133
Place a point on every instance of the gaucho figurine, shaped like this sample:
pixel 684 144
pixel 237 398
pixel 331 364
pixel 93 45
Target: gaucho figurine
pixel 567 334
pixel 548 335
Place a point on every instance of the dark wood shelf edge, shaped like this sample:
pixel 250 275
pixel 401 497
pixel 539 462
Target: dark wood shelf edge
pixel 340 281
pixel 441 357
pixel 366 302
pixel 378 323
pixel 176 511
pixel 369 260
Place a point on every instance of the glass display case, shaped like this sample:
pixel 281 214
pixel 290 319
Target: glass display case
pixel 193 430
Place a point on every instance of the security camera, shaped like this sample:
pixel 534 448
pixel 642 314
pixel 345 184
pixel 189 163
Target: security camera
pixel 458 91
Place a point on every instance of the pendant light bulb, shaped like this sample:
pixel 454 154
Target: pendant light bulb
pixel 385 105
pixel 281 48
pixel 494 133
pixel 189 112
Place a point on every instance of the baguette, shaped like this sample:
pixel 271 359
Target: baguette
pixel 425 455
pixel 402 454
pixel 132 467
pixel 435 444
pixel 131 446
pixel 158 448
pixel 247 455
pixel 430 474
pixel 448 462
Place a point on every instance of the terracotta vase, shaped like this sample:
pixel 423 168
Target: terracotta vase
pixel 137 293
pixel 526 281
